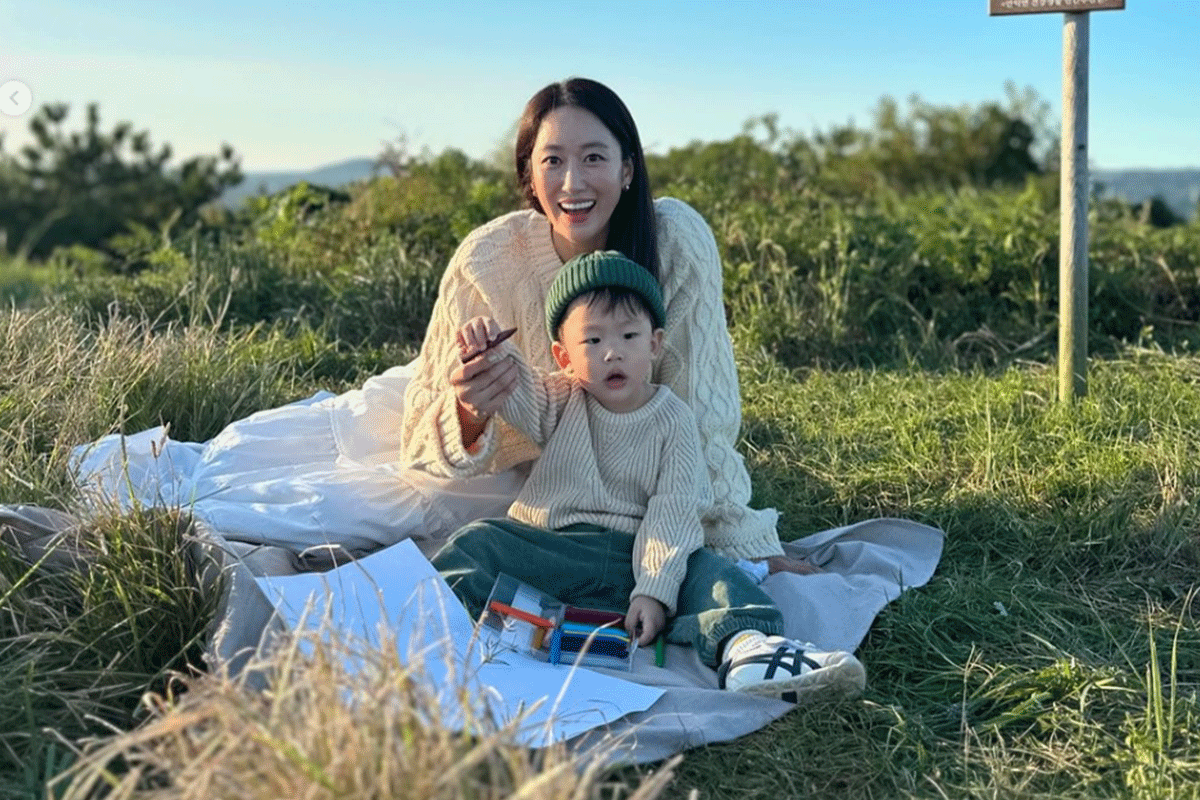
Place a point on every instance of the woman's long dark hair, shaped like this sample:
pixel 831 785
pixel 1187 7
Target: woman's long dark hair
pixel 631 228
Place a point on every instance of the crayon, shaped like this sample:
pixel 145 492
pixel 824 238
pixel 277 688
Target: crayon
pixel 574 644
pixel 525 616
pixel 600 633
pixel 592 615
pixel 660 652
pixel 500 337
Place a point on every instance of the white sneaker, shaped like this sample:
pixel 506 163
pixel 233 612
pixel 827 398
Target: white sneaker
pixel 772 666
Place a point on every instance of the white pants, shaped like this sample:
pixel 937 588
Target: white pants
pixel 317 472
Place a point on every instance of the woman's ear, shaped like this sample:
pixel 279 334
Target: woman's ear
pixel 627 172
pixel 561 356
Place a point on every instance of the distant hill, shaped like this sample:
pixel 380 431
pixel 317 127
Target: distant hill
pixel 1179 188
pixel 332 175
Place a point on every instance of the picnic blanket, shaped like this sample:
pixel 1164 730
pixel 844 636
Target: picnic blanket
pixel 316 483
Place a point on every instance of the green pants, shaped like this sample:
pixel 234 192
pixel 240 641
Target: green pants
pixel 586 565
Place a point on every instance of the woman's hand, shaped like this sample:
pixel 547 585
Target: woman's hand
pixel 646 619
pixel 789 564
pixel 482 384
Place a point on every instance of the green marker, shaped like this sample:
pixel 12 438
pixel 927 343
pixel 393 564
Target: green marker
pixel 660 654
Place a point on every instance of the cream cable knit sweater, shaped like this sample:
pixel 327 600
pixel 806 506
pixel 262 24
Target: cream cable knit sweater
pixel 503 270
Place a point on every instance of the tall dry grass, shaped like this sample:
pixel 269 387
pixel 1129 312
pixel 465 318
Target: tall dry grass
pixel 321 730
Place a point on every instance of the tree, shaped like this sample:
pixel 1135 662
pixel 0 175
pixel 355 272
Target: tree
pixel 449 191
pixel 85 187
pixel 1157 212
pixel 755 165
pixel 993 144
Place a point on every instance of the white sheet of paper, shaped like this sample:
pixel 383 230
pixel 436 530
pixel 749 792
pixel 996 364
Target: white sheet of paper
pixel 399 589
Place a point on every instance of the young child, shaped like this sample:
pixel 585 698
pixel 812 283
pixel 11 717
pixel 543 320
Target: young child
pixel 610 515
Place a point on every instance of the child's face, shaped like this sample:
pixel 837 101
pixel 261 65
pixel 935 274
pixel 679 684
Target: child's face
pixel 609 351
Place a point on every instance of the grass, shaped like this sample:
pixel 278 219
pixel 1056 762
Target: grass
pixel 1054 653
pixel 80 648
pixel 321 731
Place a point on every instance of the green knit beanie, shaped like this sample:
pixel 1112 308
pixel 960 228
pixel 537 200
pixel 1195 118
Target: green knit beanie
pixel 599 270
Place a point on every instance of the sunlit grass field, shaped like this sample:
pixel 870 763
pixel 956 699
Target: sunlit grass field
pixel 1054 654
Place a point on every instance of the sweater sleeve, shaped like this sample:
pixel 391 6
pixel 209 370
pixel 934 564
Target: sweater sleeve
pixel 671 531
pixel 536 403
pixel 698 365
pixel 431 438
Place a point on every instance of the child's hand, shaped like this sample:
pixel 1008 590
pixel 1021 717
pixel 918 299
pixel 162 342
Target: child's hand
pixel 646 619
pixel 480 384
pixel 475 334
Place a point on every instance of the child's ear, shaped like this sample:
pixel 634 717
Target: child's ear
pixel 656 339
pixel 561 356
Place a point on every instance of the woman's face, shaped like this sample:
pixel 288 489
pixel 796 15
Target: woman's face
pixel 578 175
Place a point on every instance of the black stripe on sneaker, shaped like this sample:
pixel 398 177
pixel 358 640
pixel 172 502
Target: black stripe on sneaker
pixel 798 661
pixel 722 671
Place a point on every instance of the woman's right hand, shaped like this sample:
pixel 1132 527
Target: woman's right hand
pixel 482 384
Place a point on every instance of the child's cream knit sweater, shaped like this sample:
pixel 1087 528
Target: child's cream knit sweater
pixel 639 472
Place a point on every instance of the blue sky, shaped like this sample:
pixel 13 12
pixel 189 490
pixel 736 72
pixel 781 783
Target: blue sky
pixel 304 84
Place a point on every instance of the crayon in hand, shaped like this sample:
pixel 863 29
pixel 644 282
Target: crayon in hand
pixel 500 337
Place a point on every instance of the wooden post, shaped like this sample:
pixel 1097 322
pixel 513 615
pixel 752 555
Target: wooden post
pixel 1073 184
pixel 1073 205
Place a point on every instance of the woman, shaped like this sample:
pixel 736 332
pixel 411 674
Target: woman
pixel 580 165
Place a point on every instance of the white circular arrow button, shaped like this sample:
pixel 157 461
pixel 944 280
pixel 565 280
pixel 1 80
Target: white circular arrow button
pixel 15 98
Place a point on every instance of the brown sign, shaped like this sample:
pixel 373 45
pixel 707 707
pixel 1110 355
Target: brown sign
pixel 996 7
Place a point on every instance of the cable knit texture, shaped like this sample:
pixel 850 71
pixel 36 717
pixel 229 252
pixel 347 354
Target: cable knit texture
pixel 503 269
